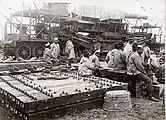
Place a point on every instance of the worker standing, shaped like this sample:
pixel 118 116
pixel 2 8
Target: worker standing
pixel 69 50
pixel 55 48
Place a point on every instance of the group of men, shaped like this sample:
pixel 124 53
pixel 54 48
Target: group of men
pixel 52 51
pixel 133 58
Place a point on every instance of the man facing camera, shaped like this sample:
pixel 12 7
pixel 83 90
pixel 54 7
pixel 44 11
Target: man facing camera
pixel 136 69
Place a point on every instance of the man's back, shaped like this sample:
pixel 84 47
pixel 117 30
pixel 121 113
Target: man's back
pixel 110 56
pixel 119 59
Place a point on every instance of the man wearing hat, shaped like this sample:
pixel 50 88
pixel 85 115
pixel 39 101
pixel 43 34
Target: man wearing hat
pixel 69 50
pixel 95 57
pixel 55 48
pixel 86 67
pixel 47 56
pixel 128 46
pixel 47 53
pixel 136 69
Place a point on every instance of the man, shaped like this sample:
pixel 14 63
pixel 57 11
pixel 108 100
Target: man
pixel 120 58
pixel 55 49
pixel 47 56
pixel 160 73
pixel 136 70
pixel 69 50
pixel 96 45
pixel 95 57
pixel 154 62
pixel 128 46
pixel 146 52
pixel 110 56
pixel 85 67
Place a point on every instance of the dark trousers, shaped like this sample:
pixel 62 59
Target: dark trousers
pixel 97 73
pixel 148 82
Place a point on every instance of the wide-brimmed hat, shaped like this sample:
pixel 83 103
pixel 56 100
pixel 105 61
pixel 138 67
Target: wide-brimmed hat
pixel 47 44
pixel 97 51
pixel 56 39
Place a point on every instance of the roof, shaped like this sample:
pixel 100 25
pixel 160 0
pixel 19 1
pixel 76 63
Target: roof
pixel 34 13
pixel 145 27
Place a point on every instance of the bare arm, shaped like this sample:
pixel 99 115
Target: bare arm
pixel 107 57
pixel 124 57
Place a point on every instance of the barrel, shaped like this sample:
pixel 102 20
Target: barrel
pixel 117 100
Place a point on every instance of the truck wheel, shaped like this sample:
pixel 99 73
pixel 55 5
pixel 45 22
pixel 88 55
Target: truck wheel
pixel 38 50
pixel 23 51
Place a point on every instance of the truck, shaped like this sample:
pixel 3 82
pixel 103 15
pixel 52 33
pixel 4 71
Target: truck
pixel 27 31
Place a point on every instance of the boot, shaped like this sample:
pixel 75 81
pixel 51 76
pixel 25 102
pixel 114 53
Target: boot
pixel 152 98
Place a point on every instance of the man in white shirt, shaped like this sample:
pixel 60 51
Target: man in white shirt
pixel 86 67
pixel 95 57
pixel 110 56
pixel 69 50
pixel 154 62
pixel 55 48
pixel 47 56
pixel 128 46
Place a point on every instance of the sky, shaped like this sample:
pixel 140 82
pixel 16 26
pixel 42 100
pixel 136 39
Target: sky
pixel 154 9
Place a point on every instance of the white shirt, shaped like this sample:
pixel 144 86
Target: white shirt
pixel 154 60
pixel 95 59
pixel 127 48
pixel 55 50
pixel 85 67
pixel 110 57
pixel 69 49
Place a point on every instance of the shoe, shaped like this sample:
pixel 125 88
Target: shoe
pixel 153 99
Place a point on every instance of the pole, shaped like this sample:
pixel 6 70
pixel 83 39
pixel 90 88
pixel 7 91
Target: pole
pixel 21 21
pixel 10 28
pixel 165 26
pixel 30 19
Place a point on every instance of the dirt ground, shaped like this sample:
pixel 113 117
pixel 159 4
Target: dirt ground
pixel 142 109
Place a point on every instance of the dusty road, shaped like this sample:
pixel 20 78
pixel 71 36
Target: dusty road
pixel 142 109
